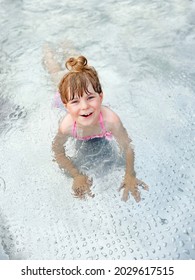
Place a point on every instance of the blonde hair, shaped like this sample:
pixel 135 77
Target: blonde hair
pixel 77 80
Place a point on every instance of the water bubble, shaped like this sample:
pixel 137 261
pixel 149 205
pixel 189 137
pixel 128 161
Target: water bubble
pixel 123 253
pixel 110 252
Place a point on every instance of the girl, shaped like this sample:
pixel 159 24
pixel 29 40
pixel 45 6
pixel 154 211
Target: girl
pixel 81 93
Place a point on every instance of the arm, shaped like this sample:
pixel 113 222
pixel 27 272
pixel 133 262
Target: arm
pixel 130 182
pixel 81 183
pixel 60 156
pixel 125 146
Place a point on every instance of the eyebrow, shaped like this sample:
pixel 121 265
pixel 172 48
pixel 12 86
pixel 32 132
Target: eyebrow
pixel 73 98
pixel 78 97
pixel 90 93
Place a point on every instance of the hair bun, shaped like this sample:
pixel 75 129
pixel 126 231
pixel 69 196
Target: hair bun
pixel 76 64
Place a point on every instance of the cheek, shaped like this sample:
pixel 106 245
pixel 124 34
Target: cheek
pixel 73 110
pixel 97 104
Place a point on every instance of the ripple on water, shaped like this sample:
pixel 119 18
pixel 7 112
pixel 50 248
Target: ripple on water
pixel 2 184
pixel 157 106
pixel 11 115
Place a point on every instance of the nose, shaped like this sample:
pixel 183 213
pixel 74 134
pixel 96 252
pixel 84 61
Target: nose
pixel 84 104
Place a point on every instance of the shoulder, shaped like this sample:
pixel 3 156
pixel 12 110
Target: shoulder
pixel 113 124
pixel 112 121
pixel 110 117
pixel 66 124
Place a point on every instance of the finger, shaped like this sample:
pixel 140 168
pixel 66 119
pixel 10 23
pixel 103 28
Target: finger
pixel 82 191
pixel 81 196
pixel 143 185
pixel 75 195
pixel 79 193
pixel 137 196
pixel 90 193
pixel 125 195
pixel 135 193
pixel 90 181
pixel 121 187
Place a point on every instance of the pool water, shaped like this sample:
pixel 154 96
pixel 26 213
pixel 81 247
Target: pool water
pixel 144 54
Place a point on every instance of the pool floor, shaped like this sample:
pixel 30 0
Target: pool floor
pixel 144 54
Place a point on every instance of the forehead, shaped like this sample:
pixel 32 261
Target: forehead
pixel 72 94
pixel 90 88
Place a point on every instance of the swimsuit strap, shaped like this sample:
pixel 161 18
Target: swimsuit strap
pixel 104 133
pixel 101 121
pixel 74 130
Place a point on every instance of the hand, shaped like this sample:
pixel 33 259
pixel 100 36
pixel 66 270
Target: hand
pixel 130 184
pixel 81 186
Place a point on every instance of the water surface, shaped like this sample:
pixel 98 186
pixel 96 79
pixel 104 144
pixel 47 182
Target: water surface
pixel 144 54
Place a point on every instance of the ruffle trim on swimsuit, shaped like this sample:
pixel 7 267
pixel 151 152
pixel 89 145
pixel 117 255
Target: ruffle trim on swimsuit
pixel 104 134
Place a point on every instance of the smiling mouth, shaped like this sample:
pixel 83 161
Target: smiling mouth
pixel 86 115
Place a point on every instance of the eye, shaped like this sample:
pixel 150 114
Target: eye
pixel 91 97
pixel 75 101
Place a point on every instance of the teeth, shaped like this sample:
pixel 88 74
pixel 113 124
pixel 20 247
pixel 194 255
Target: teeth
pixel 86 115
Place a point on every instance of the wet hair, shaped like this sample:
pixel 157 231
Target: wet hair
pixel 76 81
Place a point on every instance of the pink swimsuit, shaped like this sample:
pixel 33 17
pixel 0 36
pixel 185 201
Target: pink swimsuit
pixel 104 133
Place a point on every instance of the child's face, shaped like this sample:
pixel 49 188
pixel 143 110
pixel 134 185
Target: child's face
pixel 85 110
